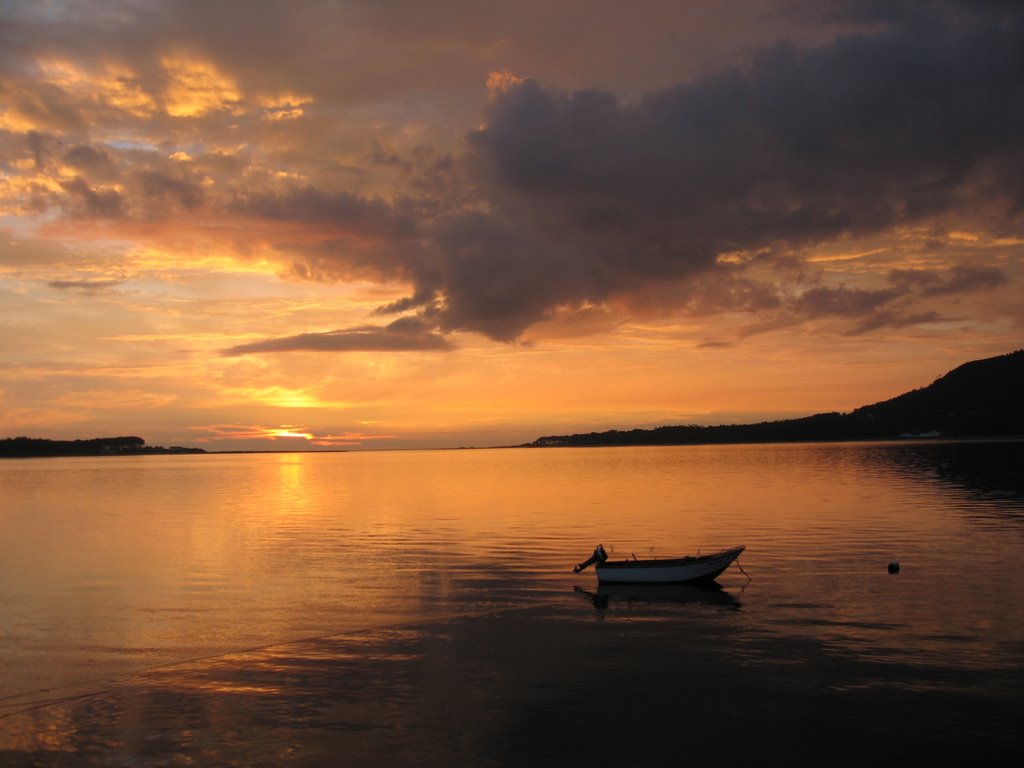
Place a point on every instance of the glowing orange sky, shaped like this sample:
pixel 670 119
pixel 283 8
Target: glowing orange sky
pixel 268 225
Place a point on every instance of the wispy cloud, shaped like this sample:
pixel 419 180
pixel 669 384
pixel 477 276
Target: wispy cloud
pixel 86 285
pixel 960 279
pixel 403 335
pixel 216 433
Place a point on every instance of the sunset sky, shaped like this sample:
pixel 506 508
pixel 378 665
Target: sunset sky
pixel 384 224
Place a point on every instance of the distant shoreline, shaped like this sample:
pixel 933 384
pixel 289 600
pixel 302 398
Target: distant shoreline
pixel 41 448
pixel 979 400
pixel 908 440
pixel 912 440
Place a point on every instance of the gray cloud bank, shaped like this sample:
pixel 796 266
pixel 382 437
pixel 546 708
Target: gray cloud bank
pixel 588 198
pixel 577 199
pixel 563 200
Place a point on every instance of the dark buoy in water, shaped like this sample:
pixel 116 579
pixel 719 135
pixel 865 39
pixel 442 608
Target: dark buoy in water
pixel 894 566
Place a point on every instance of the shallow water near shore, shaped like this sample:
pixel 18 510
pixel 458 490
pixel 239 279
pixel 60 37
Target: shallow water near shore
pixel 419 607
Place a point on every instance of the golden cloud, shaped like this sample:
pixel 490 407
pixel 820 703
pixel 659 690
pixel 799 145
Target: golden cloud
pixel 287 106
pixel 215 432
pixel 500 81
pixel 197 87
pixel 110 84
pixel 16 121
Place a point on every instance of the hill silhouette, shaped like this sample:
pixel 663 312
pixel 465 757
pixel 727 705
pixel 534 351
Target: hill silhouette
pixel 981 398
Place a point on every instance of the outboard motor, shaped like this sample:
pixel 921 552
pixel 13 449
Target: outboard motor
pixel 599 556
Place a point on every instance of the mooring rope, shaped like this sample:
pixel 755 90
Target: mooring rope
pixel 742 571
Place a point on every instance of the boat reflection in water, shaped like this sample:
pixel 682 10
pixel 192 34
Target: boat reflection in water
pixel 680 594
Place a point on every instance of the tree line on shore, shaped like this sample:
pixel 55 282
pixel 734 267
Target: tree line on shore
pixel 33 447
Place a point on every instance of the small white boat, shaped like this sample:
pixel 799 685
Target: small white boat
pixel 679 570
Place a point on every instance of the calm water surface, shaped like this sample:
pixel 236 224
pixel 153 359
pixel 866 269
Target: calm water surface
pixel 418 607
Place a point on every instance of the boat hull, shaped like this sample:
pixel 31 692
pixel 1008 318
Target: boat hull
pixel 683 570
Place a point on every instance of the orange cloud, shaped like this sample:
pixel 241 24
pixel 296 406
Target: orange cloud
pixel 110 84
pixel 288 106
pixel 237 432
pixel 196 87
pixel 500 81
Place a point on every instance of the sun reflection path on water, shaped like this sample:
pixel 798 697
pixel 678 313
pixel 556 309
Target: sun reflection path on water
pixel 124 565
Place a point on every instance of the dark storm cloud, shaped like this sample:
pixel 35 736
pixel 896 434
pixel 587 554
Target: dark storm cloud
pixel 403 335
pixel 866 310
pixel 91 202
pixel 150 194
pixel 959 279
pixel 587 198
pixel 893 307
pixel 892 320
pixel 850 302
pixel 342 210
pixel 140 191
pixel 43 147
pixel 46 106
pixel 165 190
pixel 89 160
pixel 561 200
